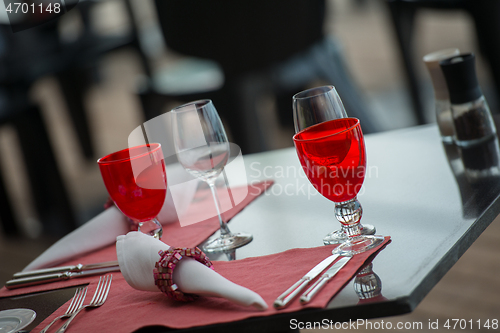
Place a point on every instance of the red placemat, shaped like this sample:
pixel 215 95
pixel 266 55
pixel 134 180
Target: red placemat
pixel 173 235
pixel 194 234
pixel 127 309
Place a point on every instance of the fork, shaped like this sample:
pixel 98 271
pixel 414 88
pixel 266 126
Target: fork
pixel 100 295
pixel 76 303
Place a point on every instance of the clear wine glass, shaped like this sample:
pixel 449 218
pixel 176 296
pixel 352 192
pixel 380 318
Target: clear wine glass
pixel 203 150
pixel 137 183
pixel 314 106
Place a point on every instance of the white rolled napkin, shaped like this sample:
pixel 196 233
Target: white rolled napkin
pixel 137 254
pixel 103 229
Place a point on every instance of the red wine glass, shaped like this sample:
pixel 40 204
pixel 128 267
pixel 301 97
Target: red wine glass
pixel 333 157
pixel 314 106
pixel 137 183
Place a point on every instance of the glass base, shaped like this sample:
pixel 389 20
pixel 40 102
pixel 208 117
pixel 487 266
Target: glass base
pixel 338 236
pixel 358 245
pixel 152 228
pixel 227 242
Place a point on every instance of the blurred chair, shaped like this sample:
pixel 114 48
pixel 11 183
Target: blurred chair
pixel 251 49
pixel 19 68
pixel 27 56
pixel 486 17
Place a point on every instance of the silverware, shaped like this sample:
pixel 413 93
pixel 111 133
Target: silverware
pixel 284 299
pixel 100 295
pixel 62 269
pixel 40 279
pixel 76 303
pixel 319 284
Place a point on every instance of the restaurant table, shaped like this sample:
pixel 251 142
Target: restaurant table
pixel 417 190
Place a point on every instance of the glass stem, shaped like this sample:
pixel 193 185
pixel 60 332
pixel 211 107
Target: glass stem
pixel 224 229
pixel 152 227
pixel 349 214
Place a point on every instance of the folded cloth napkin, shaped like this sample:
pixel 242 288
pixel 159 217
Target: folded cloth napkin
pixel 103 229
pixel 137 254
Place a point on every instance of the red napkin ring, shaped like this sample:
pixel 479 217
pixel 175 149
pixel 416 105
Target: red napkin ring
pixel 164 270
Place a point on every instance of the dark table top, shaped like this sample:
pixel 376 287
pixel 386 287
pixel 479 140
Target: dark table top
pixel 434 201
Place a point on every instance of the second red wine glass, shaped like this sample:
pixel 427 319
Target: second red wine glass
pixel 312 107
pixel 333 157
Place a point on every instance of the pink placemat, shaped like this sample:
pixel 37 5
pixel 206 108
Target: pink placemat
pixel 173 235
pixel 127 309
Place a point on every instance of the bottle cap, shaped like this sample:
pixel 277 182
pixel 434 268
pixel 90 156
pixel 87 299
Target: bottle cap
pixel 460 75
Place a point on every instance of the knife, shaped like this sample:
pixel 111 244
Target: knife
pixel 284 299
pixel 62 269
pixel 318 285
pixel 40 279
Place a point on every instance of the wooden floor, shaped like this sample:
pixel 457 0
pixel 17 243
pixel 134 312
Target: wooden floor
pixel 16 253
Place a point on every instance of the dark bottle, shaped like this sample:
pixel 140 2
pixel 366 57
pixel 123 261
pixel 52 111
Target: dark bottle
pixel 471 115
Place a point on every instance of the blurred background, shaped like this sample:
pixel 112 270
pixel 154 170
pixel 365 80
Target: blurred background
pixel 73 89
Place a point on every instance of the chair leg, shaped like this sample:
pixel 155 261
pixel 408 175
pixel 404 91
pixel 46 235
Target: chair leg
pixel 332 67
pixel 486 19
pixel 74 83
pixel 136 43
pixel 403 17
pixel 284 107
pixel 152 103
pixel 7 217
pixel 247 123
pixel 49 192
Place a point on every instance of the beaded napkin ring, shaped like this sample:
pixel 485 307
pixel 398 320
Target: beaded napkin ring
pixel 164 270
